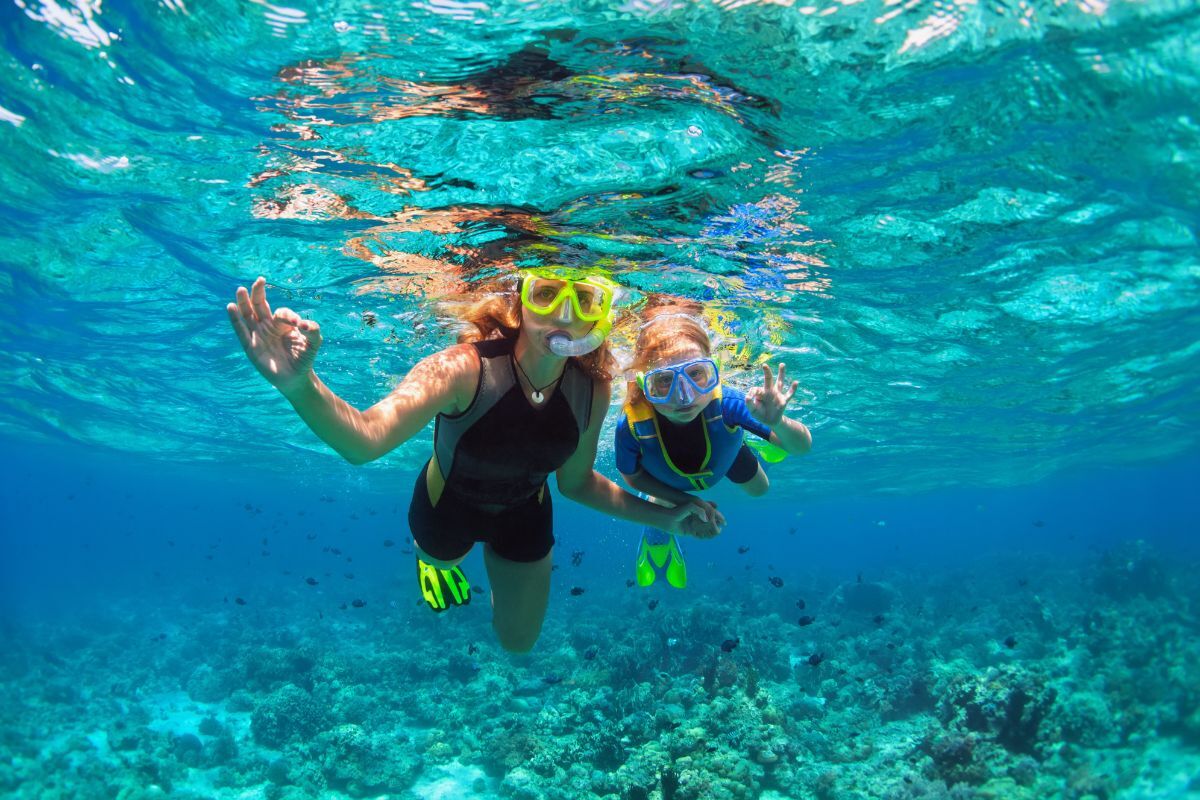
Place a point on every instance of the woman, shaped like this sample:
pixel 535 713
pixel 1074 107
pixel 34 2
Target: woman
pixel 684 431
pixel 524 394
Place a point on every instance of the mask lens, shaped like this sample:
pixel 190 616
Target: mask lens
pixel 543 292
pixel 658 384
pixel 703 374
pixel 591 300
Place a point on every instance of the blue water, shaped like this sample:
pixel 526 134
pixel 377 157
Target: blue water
pixel 968 229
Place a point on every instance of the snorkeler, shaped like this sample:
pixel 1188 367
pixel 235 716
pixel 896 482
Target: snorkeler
pixel 523 394
pixel 683 431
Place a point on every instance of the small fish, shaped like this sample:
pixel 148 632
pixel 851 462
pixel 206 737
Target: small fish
pixel 800 604
pixel 859 577
pixel 1023 582
pixel 629 583
pixel 358 603
pixel 265 542
pixel 311 536
pixel 653 604
pixel 792 531
pixel 552 679
pixel 472 649
pixel 576 591
pixel 477 589
pixel 728 645
pixel 877 619
pixel 388 543
pixel 743 550
pixel 320 615
pixel 806 620
pixel 815 659
pixel 369 319
pixel 239 601
pixel 335 551
pixel 348 576
pixel 775 581
pixel 590 653
pixel 311 581
pixel 577 558
pixel 1010 642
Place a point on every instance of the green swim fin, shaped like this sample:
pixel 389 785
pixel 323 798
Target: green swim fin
pixel 665 559
pixel 443 588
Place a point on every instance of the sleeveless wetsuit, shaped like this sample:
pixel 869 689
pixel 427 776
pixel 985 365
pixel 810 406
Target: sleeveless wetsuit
pixel 495 457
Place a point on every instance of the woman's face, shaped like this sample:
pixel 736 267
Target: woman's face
pixel 685 403
pixel 537 328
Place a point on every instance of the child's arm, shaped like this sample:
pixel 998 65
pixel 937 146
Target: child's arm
pixel 766 403
pixel 648 484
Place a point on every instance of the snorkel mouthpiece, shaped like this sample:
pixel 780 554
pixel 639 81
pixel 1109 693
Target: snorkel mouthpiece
pixel 563 345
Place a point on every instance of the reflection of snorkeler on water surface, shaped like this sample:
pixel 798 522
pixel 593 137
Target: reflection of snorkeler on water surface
pixel 528 84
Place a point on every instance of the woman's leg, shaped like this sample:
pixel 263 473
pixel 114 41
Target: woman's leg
pixel 520 596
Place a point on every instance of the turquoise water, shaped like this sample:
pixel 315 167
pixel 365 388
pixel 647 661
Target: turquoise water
pixel 968 229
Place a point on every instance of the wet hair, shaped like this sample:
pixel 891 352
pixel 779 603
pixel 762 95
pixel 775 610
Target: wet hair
pixel 664 324
pixel 493 311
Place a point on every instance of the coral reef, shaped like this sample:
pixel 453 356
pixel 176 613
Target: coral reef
pixel 1042 686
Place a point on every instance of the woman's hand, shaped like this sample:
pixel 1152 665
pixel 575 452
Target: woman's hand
pixel 281 346
pixel 767 402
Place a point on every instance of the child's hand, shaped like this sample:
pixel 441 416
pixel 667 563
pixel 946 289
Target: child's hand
pixel 767 402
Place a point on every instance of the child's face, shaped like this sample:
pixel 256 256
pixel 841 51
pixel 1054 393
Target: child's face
pixel 685 403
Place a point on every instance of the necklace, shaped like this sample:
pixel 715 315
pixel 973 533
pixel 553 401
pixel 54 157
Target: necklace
pixel 536 393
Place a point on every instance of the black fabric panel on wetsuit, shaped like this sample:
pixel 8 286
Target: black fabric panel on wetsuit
pixel 505 456
pixel 522 533
pixel 684 443
pixel 744 466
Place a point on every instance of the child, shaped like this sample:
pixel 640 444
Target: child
pixel 682 430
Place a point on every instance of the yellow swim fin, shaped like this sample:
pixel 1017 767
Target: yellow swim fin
pixel 665 558
pixel 443 588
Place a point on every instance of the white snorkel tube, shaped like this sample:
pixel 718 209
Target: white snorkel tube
pixel 561 344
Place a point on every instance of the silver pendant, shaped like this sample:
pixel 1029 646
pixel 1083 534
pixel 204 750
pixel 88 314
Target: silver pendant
pixel 537 396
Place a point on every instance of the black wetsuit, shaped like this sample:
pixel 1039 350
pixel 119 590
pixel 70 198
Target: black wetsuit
pixel 495 457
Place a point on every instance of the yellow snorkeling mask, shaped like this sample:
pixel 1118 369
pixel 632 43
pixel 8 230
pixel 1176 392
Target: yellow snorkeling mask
pixel 544 290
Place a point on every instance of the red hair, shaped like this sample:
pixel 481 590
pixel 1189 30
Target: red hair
pixel 665 324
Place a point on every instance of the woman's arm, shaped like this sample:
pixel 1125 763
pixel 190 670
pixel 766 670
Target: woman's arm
pixel 579 481
pixel 440 383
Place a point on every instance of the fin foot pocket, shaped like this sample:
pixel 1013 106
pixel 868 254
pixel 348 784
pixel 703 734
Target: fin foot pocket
pixel 442 588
